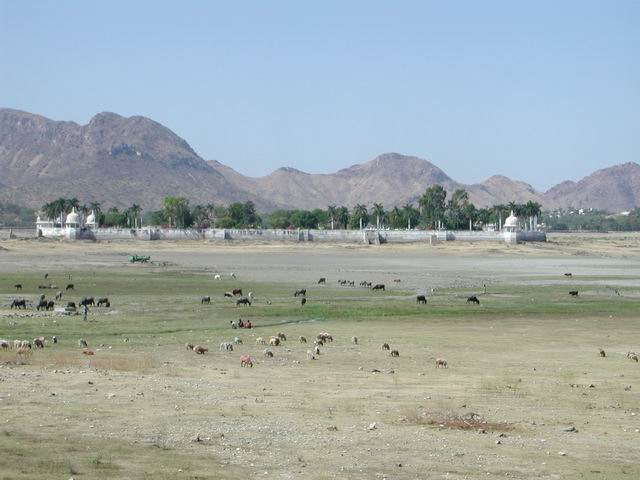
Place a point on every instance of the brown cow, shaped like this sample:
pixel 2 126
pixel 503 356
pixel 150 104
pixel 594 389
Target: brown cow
pixel 245 361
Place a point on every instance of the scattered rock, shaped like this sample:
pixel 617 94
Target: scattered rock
pixel 570 429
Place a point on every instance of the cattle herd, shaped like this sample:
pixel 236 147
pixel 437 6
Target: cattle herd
pixel 277 340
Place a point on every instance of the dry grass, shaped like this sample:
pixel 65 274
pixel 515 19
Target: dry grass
pixel 452 420
pixel 117 362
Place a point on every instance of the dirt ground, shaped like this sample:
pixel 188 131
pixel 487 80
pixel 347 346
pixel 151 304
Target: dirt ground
pixel 525 395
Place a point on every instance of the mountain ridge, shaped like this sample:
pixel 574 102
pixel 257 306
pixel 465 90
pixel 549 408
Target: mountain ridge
pixel 120 160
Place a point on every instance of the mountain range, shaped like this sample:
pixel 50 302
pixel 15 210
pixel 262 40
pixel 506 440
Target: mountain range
pixel 117 161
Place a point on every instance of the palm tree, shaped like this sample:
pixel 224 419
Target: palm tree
pixel 409 213
pixel 343 216
pixel 360 212
pixel 395 217
pixel 378 211
pixel 134 212
pixel 332 211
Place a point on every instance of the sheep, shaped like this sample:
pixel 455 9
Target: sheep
pixel 228 295
pixel 267 353
pixel 354 340
pixel 325 337
pixel 200 350
pixel 310 355
pixel 59 295
pixel 237 340
pixel 385 346
pixel 282 336
pixel 232 275
pixel 602 353
pixel 318 343
pixel 217 277
pixel 226 347
pixel 82 343
pixel 245 361
pixel 54 339
pixel 250 295
pixel 394 353
pixel 274 342
pixel 302 339
pixel 316 350
pixel 632 356
pixel 260 341
pixel 206 300
pixel 441 363
pixel 38 342
pixel 234 325
pixel 188 346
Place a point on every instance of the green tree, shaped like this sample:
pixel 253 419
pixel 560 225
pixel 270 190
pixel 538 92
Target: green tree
pixel 410 216
pixel 342 216
pixel 332 211
pixel 359 216
pixel 379 213
pixel 176 209
pixel 432 205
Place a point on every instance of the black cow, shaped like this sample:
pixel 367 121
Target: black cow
pixel 303 301
pixel 573 293
pixel 103 301
pixel 379 286
pixel 70 286
pixel 322 281
pixel 473 299
pixel 21 303
pixel 421 299
pixel 18 286
pixel 301 292
pixel 50 305
pixel 568 274
pixel 243 301
pixel 86 301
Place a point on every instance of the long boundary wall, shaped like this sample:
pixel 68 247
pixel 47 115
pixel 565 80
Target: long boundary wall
pixel 372 237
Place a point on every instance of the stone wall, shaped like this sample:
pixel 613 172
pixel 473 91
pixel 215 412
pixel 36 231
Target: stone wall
pixel 371 237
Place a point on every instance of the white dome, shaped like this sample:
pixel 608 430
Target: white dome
pixel 91 219
pixel 511 221
pixel 72 217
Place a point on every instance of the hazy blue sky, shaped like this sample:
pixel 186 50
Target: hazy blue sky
pixel 540 91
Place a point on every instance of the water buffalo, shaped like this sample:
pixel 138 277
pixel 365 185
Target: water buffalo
pixel 103 301
pixel 421 299
pixel 379 286
pixel 301 292
pixel 473 299
pixel 86 301
pixel 243 301
pixel 21 303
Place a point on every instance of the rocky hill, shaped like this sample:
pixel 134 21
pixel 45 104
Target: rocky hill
pixel 615 189
pixel 112 159
pixel 119 161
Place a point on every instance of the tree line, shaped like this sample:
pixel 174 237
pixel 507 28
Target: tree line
pixel 434 209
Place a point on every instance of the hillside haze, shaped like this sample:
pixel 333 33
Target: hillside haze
pixel 118 161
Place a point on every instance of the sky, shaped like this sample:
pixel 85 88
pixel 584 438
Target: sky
pixel 540 91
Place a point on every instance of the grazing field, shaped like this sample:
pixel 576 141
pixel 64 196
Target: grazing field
pixel 525 395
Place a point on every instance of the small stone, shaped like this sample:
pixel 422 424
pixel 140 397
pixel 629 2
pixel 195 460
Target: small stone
pixel 498 442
